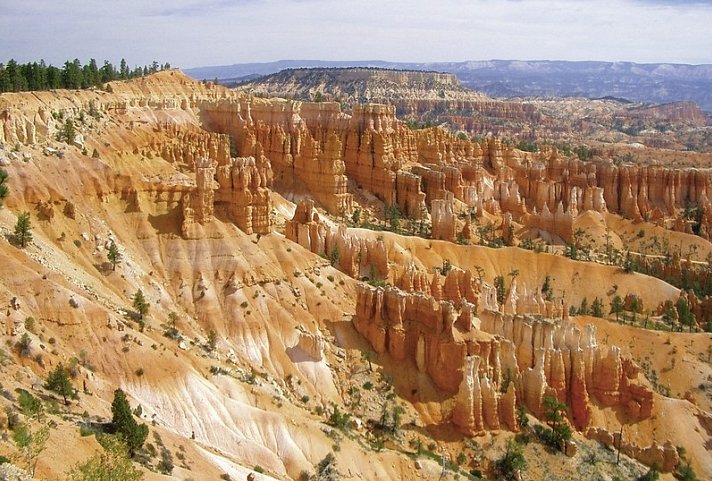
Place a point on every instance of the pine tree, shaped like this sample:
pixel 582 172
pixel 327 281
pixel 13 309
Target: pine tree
pixel 513 462
pixel 140 304
pixel 111 464
pixel 547 290
pixel 58 381
pixel 560 431
pixel 68 132
pixel 617 307
pixel 23 229
pixel 4 189
pixel 597 307
pixel 123 69
pixel 113 255
pixel 685 315
pixel 125 425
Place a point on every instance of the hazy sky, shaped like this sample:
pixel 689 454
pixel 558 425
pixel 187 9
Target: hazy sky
pixel 191 33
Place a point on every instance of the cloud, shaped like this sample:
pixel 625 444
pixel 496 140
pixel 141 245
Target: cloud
pixel 212 32
pixel 678 3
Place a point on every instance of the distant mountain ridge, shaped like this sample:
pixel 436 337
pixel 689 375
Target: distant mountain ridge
pixel 657 83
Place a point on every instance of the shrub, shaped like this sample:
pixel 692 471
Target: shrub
pixel 165 465
pixel 339 420
pixel 112 463
pixel 651 475
pixel 4 190
pixel 512 462
pixel 686 473
pixel 29 405
pixel 30 324
pixel 24 346
pixel 212 340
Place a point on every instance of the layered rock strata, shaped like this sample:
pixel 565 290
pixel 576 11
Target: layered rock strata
pixel 496 361
pixel 316 149
pixel 351 254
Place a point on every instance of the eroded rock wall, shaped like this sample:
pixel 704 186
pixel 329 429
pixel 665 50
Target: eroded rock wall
pixel 492 362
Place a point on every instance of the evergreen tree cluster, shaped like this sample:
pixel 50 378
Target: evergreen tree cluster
pixel 32 76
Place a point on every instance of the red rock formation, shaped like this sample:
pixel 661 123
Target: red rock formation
pixel 198 205
pixel 560 223
pixel 314 148
pixel 242 195
pixel 474 358
pixel 444 219
pixel 355 256
pixel 409 197
pixel 665 457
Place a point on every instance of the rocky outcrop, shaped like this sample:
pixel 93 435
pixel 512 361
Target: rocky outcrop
pixel 409 196
pixel 415 95
pixel 315 149
pixel 279 131
pixel 495 361
pixel 665 457
pixel 415 327
pixel 444 219
pixel 560 223
pixel 241 196
pixel 198 205
pixel 351 254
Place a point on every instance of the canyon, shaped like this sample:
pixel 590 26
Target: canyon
pixel 305 236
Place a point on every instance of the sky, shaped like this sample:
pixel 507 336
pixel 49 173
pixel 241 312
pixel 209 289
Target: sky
pixel 193 33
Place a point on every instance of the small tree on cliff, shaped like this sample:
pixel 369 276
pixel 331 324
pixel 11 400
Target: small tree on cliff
pixel 554 411
pixel 499 286
pixel 113 255
pixel 58 381
pixel 23 229
pixel 140 304
pixel 4 189
pixel 546 289
pixel 68 132
pixel 356 216
pixel 685 315
pixel 597 307
pixel 617 307
pixel 368 357
pixel 125 425
pixel 513 462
